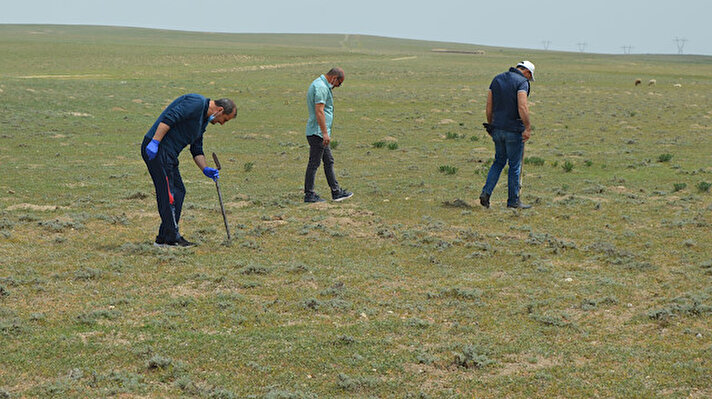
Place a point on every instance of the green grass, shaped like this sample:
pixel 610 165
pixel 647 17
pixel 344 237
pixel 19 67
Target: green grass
pixel 602 289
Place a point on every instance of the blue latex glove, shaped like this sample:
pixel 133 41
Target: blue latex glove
pixel 211 173
pixel 152 149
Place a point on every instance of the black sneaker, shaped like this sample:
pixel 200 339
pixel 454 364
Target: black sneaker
pixel 160 242
pixel 484 200
pixel 182 242
pixel 341 194
pixel 313 197
pixel 519 205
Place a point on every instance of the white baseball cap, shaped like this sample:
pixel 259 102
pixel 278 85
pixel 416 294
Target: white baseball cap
pixel 528 65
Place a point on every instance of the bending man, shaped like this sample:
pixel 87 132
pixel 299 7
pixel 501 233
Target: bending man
pixel 508 124
pixel 182 123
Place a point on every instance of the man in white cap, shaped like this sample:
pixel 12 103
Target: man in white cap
pixel 508 124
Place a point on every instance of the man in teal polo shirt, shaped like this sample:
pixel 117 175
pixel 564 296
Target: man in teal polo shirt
pixel 320 104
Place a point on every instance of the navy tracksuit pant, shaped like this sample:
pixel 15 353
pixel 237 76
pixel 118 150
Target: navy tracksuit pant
pixel 170 192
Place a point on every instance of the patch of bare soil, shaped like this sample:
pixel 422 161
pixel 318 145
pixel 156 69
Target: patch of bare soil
pixel 33 207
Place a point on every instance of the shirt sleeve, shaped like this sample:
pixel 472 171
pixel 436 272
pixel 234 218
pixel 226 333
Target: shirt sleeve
pixel 524 86
pixel 321 94
pixel 196 147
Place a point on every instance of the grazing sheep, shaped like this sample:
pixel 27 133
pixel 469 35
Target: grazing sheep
pixel 677 85
pixel 638 81
pixel 652 82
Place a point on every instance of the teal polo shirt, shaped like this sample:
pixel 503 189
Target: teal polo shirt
pixel 319 93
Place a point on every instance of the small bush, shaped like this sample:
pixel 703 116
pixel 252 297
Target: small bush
pixel 379 144
pixel 159 362
pixel 588 163
pixel 88 273
pixel 451 136
pixel 448 170
pixel 679 187
pixel 392 146
pixel 248 166
pixel 471 358
pixel 536 161
pixel 568 166
pixel 6 224
pixel 664 157
pixel 254 269
pixel 704 186
pixel 334 144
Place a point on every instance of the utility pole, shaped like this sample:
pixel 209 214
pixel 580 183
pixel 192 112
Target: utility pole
pixel 582 46
pixel 626 49
pixel 546 44
pixel 680 42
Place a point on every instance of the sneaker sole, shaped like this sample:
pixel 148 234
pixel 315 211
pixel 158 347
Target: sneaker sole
pixel 343 198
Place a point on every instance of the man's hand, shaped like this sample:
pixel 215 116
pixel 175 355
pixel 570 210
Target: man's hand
pixel 211 173
pixel 152 149
pixel 527 133
pixel 488 128
pixel 327 140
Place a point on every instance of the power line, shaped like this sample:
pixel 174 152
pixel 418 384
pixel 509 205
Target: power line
pixel 582 46
pixel 680 42
pixel 626 49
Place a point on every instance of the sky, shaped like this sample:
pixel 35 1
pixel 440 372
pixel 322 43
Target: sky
pixel 593 26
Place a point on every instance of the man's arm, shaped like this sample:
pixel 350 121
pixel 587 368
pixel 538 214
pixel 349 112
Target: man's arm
pixel 524 114
pixel 321 120
pixel 161 131
pixel 200 161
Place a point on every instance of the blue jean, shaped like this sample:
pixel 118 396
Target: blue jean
pixel 317 153
pixel 509 148
pixel 170 192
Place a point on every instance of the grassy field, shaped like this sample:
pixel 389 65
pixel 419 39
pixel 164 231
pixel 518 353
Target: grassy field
pixel 408 290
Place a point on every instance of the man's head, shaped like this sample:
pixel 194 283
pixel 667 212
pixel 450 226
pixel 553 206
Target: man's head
pixel 335 76
pixel 527 69
pixel 224 110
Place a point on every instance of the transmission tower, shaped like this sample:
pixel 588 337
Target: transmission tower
pixel 546 44
pixel 680 43
pixel 626 49
pixel 582 46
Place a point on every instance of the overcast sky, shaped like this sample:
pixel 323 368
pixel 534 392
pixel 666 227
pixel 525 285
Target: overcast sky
pixel 597 26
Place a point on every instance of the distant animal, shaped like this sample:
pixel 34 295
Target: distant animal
pixel 638 81
pixel 651 82
pixel 677 85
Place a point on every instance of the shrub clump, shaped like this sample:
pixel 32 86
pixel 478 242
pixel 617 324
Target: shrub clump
pixel 568 166
pixel 254 269
pixel 448 169
pixel 664 157
pixel 704 186
pixel 159 362
pixel 470 357
pixel 536 161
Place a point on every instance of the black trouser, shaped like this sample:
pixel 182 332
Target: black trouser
pixel 170 192
pixel 317 152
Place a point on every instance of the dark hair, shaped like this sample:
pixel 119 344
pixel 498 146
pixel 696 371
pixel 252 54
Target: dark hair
pixel 336 71
pixel 227 105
